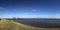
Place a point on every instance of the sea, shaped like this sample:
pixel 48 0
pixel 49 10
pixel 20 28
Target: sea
pixel 41 23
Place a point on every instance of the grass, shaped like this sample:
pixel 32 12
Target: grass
pixel 11 25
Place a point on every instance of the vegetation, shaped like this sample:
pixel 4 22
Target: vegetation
pixel 11 25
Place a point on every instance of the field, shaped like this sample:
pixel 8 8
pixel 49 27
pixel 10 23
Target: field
pixel 11 25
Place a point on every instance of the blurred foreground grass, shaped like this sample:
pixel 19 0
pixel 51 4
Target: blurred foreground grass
pixel 11 25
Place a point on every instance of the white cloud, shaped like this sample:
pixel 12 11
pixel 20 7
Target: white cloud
pixel 55 16
pixel 34 10
pixel 1 8
pixel 25 13
pixel 50 16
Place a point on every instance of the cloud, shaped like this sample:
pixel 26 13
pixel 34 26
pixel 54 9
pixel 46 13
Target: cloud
pixel 34 10
pixel 55 16
pixel 1 8
pixel 50 16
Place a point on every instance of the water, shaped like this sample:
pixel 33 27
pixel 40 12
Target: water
pixel 40 22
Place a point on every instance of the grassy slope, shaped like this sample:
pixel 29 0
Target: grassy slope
pixel 11 25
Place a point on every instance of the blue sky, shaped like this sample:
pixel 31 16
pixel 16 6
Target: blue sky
pixel 29 8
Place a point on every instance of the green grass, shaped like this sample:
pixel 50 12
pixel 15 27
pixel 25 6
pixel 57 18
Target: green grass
pixel 11 25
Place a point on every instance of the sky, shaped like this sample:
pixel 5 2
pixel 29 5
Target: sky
pixel 30 8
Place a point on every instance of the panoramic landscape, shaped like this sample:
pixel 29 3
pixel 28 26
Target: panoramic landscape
pixel 29 14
